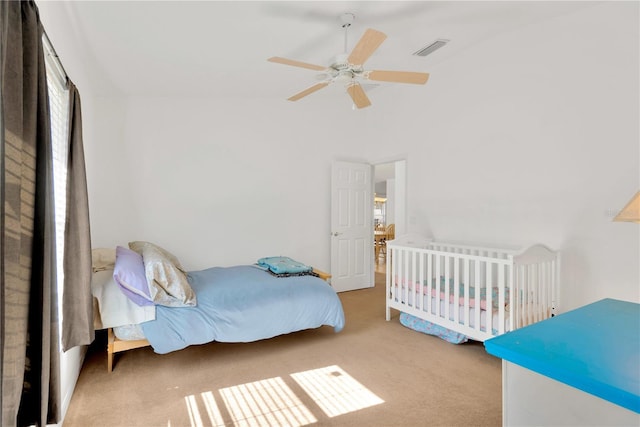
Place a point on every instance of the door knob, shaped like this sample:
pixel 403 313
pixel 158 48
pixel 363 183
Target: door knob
pixel 335 234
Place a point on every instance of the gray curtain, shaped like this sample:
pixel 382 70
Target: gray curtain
pixel 77 305
pixel 29 335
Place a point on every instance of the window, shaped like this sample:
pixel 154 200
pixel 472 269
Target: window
pixel 59 110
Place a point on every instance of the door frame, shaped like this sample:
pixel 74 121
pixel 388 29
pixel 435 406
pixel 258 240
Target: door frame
pixel 400 202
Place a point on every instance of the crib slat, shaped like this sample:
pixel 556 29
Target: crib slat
pixel 447 290
pixel 541 294
pixel 501 288
pixel 395 275
pixel 467 296
pixel 534 290
pixel 510 287
pixel 476 309
pixel 522 296
pixel 388 286
pixel 429 276
pixel 420 286
pixel 456 289
pixel 527 287
pixel 547 294
pixel 405 276
pixel 402 283
pixel 389 283
pixel 414 287
pixel 437 260
pixel 546 281
pixel 525 296
pixel 520 304
pixel 488 313
pixel 544 271
pixel 543 291
pixel 398 275
pixel 514 298
pixel 537 271
pixel 552 287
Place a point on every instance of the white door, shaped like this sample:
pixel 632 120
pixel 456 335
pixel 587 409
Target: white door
pixel 351 226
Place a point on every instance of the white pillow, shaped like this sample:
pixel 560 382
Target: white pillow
pixel 103 259
pixel 113 308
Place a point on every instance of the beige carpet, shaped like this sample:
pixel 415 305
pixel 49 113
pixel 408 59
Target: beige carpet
pixel 379 374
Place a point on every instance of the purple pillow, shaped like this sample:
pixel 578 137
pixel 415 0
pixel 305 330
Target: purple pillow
pixel 129 274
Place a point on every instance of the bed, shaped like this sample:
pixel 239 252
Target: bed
pixel 226 304
pixel 461 292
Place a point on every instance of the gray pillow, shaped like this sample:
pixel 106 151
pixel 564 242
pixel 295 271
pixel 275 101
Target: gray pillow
pixel 139 247
pixel 168 284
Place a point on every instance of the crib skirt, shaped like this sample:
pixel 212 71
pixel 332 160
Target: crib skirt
pixel 429 328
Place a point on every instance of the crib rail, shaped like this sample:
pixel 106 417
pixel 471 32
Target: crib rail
pixel 479 292
pixel 536 277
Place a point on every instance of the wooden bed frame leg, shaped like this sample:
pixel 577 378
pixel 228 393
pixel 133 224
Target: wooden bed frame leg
pixel 110 340
pixel 115 345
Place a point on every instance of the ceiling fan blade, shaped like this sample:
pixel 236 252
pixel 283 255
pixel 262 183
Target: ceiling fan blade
pixel 308 91
pixel 286 61
pixel 368 43
pixel 358 96
pixel 398 76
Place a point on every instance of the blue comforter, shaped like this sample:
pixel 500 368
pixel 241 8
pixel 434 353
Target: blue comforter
pixel 244 304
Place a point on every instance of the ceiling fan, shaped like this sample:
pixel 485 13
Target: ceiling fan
pixel 348 68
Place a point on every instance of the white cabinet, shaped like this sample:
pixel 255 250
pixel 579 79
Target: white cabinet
pixel 578 368
pixel 531 399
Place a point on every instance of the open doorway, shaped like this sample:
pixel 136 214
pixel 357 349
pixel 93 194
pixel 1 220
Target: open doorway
pixel 389 213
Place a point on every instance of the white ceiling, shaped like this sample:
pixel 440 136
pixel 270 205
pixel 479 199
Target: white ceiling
pixel 216 48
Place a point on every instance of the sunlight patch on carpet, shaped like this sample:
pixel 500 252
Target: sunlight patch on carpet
pixel 194 412
pixel 335 391
pixel 265 403
pixel 271 402
pixel 215 416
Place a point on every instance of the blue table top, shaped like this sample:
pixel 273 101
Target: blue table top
pixel 595 348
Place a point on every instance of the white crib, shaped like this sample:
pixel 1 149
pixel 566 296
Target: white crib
pixel 438 282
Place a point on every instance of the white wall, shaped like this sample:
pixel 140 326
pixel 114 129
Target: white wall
pixel 531 137
pixel 219 181
pixel 534 138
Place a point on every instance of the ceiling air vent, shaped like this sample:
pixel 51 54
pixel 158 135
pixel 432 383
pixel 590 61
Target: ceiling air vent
pixel 430 48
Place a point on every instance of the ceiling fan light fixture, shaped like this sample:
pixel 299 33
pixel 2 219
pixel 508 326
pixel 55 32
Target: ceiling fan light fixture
pixel 340 62
pixel 344 76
